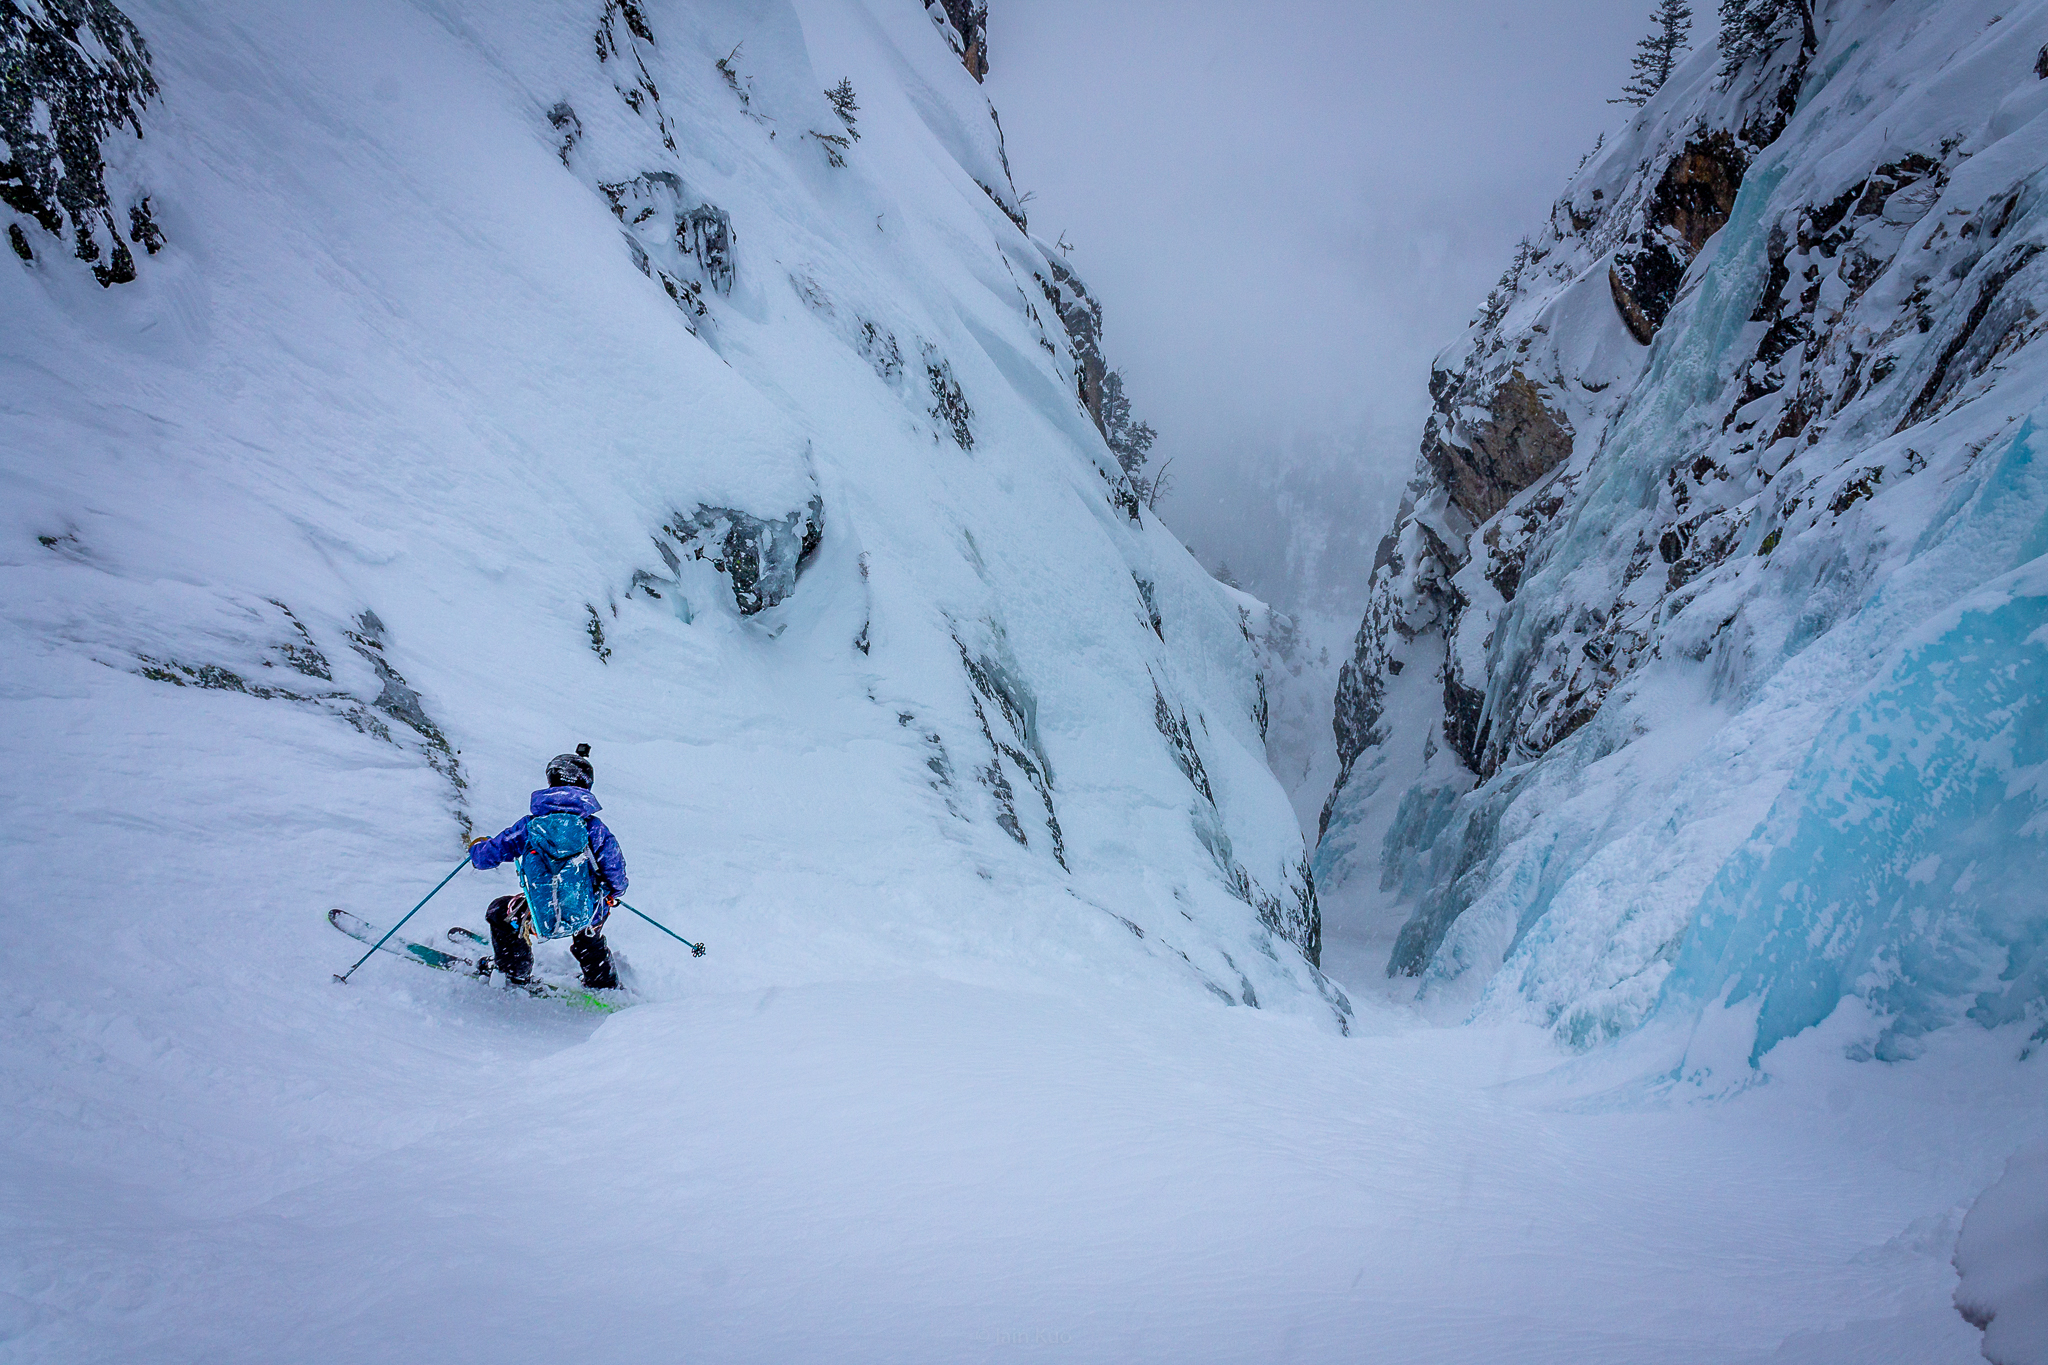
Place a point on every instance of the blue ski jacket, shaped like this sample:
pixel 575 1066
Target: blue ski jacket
pixel 510 843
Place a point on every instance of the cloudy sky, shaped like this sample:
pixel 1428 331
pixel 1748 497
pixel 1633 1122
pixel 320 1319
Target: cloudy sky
pixel 1289 208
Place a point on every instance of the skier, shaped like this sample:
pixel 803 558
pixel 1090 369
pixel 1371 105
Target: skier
pixel 570 871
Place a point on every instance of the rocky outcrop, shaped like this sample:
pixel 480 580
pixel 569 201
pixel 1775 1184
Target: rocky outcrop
pixel 676 238
pixel 1543 362
pixel 1514 444
pixel 266 651
pixel 757 558
pixel 1096 387
pixel 1080 316
pixel 1691 203
pixel 73 74
pixel 966 27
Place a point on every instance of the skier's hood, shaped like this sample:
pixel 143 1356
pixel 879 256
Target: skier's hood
pixel 574 800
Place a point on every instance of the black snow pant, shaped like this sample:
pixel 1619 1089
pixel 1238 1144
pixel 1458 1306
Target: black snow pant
pixel 594 956
pixel 509 948
pixel 514 955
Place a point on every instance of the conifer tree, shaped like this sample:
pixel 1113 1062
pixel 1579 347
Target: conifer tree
pixel 1750 27
pixel 1658 52
pixel 844 105
pixel 1130 441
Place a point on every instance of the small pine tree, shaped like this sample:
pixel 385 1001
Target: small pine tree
pixel 1751 27
pixel 1658 52
pixel 1130 441
pixel 844 105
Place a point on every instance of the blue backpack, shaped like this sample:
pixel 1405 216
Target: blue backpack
pixel 558 875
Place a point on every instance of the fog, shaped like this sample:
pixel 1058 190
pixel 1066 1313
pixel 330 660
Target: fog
pixel 1287 211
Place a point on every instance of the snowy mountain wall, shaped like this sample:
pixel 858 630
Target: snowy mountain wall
pixel 479 379
pixel 1703 669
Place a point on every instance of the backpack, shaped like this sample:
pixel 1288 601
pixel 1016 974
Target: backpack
pixel 558 875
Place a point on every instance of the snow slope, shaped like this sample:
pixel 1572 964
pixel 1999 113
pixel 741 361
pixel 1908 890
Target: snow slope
pixel 393 440
pixel 874 1171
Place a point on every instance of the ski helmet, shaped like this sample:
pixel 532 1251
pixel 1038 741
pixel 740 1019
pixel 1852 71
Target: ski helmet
pixel 572 770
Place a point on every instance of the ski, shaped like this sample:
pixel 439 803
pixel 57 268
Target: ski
pixel 441 960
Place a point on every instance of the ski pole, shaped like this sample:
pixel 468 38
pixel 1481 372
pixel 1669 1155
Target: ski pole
pixel 343 977
pixel 696 949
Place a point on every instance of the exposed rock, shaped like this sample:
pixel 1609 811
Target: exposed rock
pixel 1519 441
pixel 1081 316
pixel 879 347
pixel 628 66
pixel 949 403
pixel 760 558
pixel 1507 407
pixel 1691 203
pixel 1173 725
pixel 1697 190
pixel 568 127
pixel 965 24
pixel 1013 745
pixel 286 640
pixel 72 73
pixel 1150 599
pixel 1644 280
pixel 675 237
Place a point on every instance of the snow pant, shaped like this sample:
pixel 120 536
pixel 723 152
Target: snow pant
pixel 594 956
pixel 514 955
pixel 509 948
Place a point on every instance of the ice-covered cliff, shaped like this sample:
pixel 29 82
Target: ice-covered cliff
pixel 399 393
pixel 1703 671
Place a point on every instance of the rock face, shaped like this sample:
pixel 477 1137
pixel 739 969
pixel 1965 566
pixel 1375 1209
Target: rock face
pixel 1691 203
pixel 967 23
pixel 1763 364
pixel 73 74
pixel 1516 442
